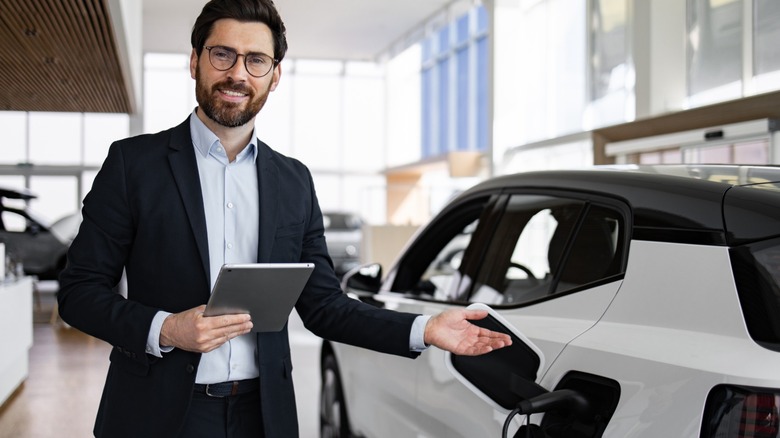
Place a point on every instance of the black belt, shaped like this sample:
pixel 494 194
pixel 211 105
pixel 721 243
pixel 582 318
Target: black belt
pixel 226 389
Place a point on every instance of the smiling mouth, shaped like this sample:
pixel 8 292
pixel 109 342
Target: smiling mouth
pixel 232 93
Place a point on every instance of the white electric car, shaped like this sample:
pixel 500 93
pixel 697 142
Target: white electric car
pixel 643 302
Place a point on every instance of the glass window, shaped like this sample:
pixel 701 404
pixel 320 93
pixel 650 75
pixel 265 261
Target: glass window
pixel 544 246
pixel 442 275
pixel 169 91
pixel 55 138
pixel 13 125
pixel 766 50
pixel 745 152
pixel 443 68
pixel 482 93
pixel 714 49
pixel 454 86
pixel 100 130
pixel 766 34
pixel 438 264
pixel 462 103
pixel 609 57
pixel 320 143
pixel 757 276
pixel 12 221
pixel 57 196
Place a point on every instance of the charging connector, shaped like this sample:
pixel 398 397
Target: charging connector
pixel 566 400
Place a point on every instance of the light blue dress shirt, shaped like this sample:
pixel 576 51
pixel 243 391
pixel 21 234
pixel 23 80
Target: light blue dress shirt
pixel 232 209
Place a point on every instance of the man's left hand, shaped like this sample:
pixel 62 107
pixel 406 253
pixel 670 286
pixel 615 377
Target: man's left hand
pixel 451 331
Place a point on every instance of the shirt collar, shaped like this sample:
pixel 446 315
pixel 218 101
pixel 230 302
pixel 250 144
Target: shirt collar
pixel 205 141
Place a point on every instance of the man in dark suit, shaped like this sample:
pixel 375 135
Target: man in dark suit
pixel 170 209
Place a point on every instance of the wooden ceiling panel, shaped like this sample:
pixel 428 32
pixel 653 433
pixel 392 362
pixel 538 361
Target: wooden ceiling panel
pixel 59 55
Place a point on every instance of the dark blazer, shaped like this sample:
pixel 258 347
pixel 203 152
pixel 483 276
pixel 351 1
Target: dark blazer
pixel 145 214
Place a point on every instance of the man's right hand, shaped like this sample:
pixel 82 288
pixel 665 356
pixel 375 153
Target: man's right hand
pixel 191 331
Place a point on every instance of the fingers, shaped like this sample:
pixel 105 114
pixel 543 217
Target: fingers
pixel 192 331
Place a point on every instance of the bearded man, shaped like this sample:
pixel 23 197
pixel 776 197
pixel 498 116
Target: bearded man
pixel 170 209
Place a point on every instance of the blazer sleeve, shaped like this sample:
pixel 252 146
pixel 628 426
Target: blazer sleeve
pixel 331 314
pixel 86 297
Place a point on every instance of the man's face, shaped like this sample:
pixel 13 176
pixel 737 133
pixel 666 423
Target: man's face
pixel 233 97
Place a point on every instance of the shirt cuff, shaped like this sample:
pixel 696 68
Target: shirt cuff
pixel 153 339
pixel 417 335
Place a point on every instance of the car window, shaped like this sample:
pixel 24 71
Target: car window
pixel 438 263
pixel 547 245
pixel 442 275
pixel 13 222
pixel 757 276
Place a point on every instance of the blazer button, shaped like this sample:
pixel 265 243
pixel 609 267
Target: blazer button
pixel 190 368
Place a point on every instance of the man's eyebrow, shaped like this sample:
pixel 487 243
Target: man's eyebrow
pixel 260 52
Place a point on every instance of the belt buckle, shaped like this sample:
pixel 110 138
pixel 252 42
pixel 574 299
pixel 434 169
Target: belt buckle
pixel 208 385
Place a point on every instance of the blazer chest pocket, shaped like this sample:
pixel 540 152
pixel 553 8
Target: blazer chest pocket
pixel 288 242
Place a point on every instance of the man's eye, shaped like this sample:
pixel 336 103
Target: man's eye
pixel 259 60
pixel 222 54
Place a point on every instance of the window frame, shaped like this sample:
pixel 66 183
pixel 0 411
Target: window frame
pixel 440 231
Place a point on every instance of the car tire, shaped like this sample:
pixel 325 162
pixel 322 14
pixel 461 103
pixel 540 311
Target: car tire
pixel 333 410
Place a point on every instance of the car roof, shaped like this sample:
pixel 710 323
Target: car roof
pixel 681 203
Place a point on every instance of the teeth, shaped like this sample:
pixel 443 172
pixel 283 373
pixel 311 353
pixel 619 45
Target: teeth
pixel 233 93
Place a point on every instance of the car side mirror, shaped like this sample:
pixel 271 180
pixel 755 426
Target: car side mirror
pixel 365 278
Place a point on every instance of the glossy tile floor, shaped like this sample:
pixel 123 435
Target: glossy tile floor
pixel 68 368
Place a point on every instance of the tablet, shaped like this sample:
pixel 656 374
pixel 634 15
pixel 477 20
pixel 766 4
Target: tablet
pixel 267 291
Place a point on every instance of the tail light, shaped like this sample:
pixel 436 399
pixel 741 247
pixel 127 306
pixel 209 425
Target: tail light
pixel 742 412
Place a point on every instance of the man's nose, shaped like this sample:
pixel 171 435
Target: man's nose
pixel 239 71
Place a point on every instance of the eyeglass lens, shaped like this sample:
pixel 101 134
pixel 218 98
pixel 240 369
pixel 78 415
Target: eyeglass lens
pixel 223 58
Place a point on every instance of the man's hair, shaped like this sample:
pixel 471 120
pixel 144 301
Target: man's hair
pixel 262 11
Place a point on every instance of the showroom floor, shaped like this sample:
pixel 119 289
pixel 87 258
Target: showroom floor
pixel 67 370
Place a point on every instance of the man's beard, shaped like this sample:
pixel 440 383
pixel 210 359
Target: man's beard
pixel 227 114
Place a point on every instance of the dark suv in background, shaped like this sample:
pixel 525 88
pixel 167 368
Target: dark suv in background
pixel 40 247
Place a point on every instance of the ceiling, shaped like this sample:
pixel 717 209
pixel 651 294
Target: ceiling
pixel 59 55
pixel 62 55
pixel 316 29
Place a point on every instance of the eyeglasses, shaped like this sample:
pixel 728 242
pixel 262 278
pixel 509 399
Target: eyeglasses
pixel 224 58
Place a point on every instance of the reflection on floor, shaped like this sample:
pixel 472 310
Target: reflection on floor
pixel 68 368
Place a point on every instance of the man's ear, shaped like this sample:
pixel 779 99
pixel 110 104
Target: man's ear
pixel 277 74
pixel 193 63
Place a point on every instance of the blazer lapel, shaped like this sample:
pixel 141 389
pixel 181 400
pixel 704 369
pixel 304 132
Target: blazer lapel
pixel 185 172
pixel 268 184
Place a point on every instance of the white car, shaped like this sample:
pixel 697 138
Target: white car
pixel 643 302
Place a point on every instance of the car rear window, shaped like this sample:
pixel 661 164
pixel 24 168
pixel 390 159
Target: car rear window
pixel 757 275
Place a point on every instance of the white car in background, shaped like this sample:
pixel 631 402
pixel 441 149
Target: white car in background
pixel 643 302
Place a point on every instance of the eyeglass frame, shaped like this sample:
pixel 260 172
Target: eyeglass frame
pixel 235 60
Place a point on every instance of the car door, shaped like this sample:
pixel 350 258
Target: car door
pixel 549 262
pixel 433 270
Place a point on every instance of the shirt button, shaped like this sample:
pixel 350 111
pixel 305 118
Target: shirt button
pixel 190 368
pixel 230 246
pixel 229 205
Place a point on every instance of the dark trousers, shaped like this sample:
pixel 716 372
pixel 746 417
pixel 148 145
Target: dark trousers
pixel 237 416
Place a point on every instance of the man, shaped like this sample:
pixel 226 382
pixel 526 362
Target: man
pixel 170 209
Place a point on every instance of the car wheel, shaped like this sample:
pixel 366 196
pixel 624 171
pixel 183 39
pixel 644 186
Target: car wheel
pixel 333 411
